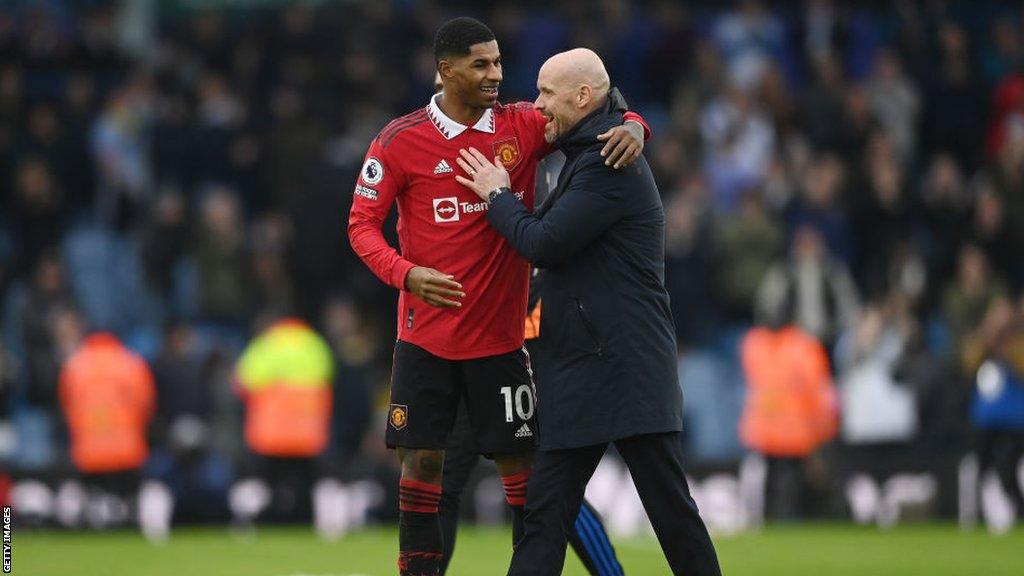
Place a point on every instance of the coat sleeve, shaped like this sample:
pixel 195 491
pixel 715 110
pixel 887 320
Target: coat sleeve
pixel 591 203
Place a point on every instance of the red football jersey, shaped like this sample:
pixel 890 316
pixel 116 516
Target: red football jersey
pixel 443 225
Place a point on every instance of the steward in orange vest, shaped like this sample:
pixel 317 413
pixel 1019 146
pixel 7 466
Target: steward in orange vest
pixel 285 378
pixel 791 405
pixel 108 397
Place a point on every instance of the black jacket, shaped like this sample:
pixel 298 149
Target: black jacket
pixel 606 366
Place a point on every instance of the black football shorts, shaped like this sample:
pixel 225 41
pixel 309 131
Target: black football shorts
pixel 498 392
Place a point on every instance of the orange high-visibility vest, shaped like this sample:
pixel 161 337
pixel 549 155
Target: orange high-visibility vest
pixel 108 397
pixel 791 407
pixel 533 323
pixel 285 374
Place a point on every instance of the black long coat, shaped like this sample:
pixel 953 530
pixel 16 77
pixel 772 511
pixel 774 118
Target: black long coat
pixel 606 367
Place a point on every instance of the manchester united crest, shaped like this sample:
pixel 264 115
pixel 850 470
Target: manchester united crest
pixel 398 416
pixel 507 151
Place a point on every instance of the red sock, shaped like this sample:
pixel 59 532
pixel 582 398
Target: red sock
pixel 515 487
pixel 415 496
pixel 419 530
pixel 515 495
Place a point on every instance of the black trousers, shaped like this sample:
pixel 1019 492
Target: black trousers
pixel 655 462
pixel 588 537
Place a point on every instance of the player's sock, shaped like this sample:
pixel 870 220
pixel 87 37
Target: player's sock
pixel 419 532
pixel 591 544
pixel 515 495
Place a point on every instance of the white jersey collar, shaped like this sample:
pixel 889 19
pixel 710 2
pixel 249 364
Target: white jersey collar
pixel 450 128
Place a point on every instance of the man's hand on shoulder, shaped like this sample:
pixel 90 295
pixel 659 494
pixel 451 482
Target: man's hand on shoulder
pixel 623 144
pixel 433 287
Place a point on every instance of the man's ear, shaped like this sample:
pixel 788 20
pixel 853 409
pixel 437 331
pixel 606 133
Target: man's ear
pixel 444 68
pixel 583 96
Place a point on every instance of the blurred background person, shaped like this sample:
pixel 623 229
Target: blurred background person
pixel 877 408
pixel 120 143
pixel 809 288
pixel 185 456
pixel 995 352
pixel 790 412
pixel 352 350
pixel 108 399
pixel 223 261
pixel 284 377
pixel 747 244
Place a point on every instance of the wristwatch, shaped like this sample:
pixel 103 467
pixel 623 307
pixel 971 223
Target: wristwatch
pixel 496 192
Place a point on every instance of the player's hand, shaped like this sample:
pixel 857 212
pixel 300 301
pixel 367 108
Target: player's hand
pixel 433 287
pixel 484 175
pixel 623 144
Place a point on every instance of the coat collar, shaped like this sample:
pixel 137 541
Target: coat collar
pixel 450 128
pixel 583 135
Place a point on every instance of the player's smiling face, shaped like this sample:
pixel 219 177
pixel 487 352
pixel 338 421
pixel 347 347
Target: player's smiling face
pixel 475 78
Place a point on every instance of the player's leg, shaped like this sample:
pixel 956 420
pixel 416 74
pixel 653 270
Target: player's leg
pixel 460 458
pixel 589 540
pixel 514 470
pixel 554 498
pixel 420 543
pixel 1007 449
pixel 424 398
pixel 501 401
pixel 655 462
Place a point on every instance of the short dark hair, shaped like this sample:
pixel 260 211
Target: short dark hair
pixel 454 37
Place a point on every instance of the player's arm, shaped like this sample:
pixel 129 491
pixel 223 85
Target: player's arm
pixel 376 189
pixel 624 144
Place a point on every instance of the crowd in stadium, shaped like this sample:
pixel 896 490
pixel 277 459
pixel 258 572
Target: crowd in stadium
pixel 180 177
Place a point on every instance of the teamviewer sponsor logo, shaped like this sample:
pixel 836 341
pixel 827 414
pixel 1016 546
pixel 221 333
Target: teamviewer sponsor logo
pixel 446 209
pixel 450 209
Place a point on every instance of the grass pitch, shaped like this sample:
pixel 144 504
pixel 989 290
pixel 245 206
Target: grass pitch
pixel 825 550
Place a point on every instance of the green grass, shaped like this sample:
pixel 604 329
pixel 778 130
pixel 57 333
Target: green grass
pixel 839 550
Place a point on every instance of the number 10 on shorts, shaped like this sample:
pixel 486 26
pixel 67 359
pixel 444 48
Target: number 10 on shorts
pixel 523 401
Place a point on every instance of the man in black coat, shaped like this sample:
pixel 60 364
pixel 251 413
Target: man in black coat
pixel 607 365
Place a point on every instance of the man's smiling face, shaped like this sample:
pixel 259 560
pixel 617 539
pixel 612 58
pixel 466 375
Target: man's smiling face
pixel 556 101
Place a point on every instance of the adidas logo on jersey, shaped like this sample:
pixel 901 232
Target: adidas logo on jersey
pixel 442 168
pixel 524 432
